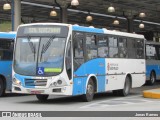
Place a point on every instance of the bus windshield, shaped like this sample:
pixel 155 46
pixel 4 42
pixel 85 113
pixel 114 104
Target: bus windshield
pixel 45 53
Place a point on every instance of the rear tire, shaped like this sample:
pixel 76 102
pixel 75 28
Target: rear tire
pixel 126 90
pixel 42 98
pixel 152 79
pixel 89 91
pixel 2 87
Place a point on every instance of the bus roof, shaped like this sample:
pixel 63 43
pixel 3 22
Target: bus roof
pixel 8 35
pixel 152 43
pixel 87 29
pixel 90 29
pixel 105 31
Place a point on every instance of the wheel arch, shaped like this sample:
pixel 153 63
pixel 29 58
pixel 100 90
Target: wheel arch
pixel 130 77
pixel 94 78
pixel 154 73
pixel 4 80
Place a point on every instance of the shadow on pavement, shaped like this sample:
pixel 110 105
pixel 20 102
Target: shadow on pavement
pixel 74 99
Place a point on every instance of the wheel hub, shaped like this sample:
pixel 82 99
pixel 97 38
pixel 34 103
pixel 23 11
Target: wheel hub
pixel 90 89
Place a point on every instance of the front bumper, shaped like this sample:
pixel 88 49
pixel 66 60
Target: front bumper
pixel 64 90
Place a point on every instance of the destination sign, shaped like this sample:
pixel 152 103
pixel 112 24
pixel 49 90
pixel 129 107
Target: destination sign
pixel 42 30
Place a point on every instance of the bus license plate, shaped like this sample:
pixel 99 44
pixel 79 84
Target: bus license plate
pixel 35 92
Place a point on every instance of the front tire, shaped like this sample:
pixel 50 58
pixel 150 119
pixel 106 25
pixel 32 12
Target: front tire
pixel 89 91
pixel 42 98
pixel 2 87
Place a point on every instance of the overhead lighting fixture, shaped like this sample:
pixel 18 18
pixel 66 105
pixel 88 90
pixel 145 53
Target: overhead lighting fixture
pixel 91 26
pixel 89 18
pixel 6 6
pixel 53 13
pixel 111 9
pixel 142 15
pixel 74 2
pixel 141 25
pixel 116 21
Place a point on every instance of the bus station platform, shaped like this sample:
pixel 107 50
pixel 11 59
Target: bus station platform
pixel 153 93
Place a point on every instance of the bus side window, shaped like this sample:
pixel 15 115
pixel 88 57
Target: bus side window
pixel 122 47
pixel 113 47
pixel 151 52
pixel 103 46
pixel 6 49
pixel 131 49
pixel 140 49
pixel 91 46
pixel 78 49
pixel 158 51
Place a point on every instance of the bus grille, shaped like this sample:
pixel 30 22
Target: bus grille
pixel 35 82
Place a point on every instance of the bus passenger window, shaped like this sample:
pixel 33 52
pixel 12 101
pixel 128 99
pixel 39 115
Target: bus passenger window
pixel 140 49
pixel 103 46
pixel 122 47
pixel 91 46
pixel 151 52
pixel 6 49
pixel 113 48
pixel 131 49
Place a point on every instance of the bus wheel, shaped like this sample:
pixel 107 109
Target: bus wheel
pixel 152 78
pixel 89 91
pixel 2 88
pixel 42 98
pixel 126 90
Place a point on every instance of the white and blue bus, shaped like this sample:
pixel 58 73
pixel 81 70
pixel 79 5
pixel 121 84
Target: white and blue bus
pixel 63 59
pixel 6 54
pixel 152 62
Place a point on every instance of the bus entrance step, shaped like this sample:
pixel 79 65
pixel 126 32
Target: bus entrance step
pixel 153 93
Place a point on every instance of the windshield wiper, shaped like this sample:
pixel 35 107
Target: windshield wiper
pixel 46 46
pixel 31 46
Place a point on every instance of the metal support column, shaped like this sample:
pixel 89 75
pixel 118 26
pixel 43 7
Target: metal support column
pixel 63 11
pixel 12 14
pixel 64 15
pixel 17 13
pixel 130 25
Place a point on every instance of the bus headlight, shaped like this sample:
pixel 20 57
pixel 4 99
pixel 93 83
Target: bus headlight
pixel 58 83
pixel 16 82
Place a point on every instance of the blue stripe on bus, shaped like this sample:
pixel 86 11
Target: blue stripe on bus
pixel 87 29
pixel 94 66
pixel 6 71
pixel 149 68
pixel 22 79
pixel 8 35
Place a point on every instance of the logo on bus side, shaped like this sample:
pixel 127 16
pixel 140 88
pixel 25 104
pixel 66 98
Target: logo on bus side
pixel 112 66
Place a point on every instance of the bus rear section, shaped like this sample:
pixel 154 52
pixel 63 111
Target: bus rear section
pixel 107 60
pixel 66 60
pixel 152 62
pixel 6 54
